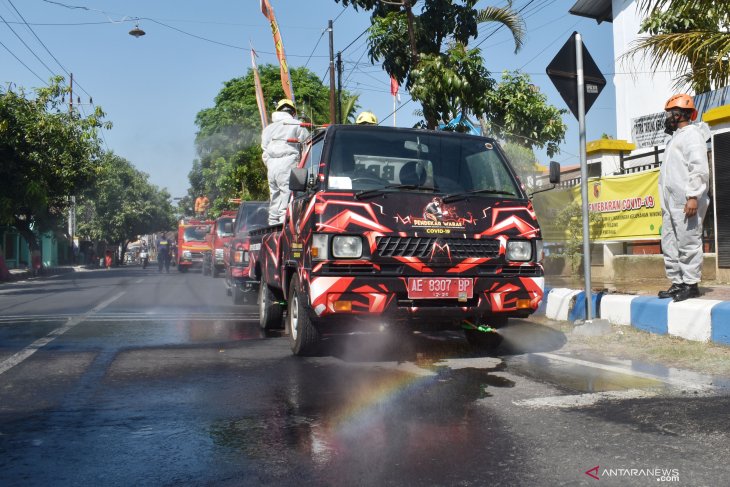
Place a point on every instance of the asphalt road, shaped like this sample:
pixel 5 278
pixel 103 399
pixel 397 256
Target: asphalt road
pixel 131 377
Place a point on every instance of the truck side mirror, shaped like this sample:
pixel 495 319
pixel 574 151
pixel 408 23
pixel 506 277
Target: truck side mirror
pixel 298 179
pixel 554 172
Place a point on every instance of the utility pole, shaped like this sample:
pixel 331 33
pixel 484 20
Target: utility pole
pixel 71 94
pixel 339 88
pixel 332 74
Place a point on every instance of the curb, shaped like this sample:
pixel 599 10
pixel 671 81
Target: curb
pixel 703 320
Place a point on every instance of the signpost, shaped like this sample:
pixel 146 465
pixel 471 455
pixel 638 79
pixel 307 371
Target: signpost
pixel 579 82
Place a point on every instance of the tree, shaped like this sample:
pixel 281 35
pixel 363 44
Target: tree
pixel 524 162
pixel 518 112
pixel 47 154
pixel 122 204
pixel 437 67
pixel 229 163
pixel 690 36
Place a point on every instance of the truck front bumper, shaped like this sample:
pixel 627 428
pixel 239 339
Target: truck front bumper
pixel 388 297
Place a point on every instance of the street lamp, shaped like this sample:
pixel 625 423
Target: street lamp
pixel 137 32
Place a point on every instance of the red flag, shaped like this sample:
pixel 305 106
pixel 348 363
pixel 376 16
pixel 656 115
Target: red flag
pixel 279 45
pixel 259 91
pixel 394 86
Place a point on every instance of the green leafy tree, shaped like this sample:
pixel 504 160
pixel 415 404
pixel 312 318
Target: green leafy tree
pixel 690 36
pixel 229 163
pixel 571 218
pixel 524 162
pixel 436 65
pixel 122 204
pixel 47 154
pixel 518 112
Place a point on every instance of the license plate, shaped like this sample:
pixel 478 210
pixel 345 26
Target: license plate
pixel 440 288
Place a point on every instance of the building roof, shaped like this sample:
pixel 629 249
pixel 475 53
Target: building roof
pixel 600 10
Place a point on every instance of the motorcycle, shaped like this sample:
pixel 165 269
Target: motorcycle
pixel 145 258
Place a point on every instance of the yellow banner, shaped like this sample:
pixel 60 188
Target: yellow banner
pixel 629 206
pixel 279 45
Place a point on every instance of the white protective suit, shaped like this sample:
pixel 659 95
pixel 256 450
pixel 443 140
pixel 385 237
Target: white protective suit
pixel 280 156
pixel 684 173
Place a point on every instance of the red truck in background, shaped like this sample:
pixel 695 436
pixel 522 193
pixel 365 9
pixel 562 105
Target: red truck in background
pixel 191 244
pixel 220 234
pixel 402 229
pixel 241 280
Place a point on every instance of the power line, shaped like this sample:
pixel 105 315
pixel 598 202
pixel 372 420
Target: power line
pixel 45 47
pixel 315 47
pixel 21 62
pixel 396 110
pixel 27 46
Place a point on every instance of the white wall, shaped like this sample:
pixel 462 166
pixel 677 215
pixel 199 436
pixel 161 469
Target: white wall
pixel 643 92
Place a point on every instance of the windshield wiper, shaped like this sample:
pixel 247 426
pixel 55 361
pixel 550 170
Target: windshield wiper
pixel 458 196
pixel 369 192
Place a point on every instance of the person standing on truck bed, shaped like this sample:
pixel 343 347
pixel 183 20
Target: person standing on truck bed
pixel 280 142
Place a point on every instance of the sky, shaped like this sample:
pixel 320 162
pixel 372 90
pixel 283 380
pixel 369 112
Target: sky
pixel 152 87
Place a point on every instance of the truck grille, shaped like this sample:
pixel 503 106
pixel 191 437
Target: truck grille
pixel 423 247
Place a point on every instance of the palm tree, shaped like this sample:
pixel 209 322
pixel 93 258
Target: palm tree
pixel 690 36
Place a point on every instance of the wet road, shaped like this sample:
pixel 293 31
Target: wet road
pixel 129 377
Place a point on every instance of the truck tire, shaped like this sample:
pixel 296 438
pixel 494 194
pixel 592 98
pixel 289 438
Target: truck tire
pixel 182 268
pixel 302 333
pixel 204 266
pixel 214 271
pixel 239 297
pixel 270 311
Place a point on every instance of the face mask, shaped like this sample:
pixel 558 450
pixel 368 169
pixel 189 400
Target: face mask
pixel 672 122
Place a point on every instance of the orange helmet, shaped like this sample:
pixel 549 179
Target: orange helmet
pixel 683 101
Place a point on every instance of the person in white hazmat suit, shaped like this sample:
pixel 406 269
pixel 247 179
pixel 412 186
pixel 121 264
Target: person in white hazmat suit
pixel 683 188
pixel 281 141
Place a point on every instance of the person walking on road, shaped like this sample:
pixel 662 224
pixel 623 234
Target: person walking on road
pixel 163 253
pixel 683 188
pixel 281 141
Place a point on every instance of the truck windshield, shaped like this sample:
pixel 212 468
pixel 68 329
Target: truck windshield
pixel 373 158
pixel 222 225
pixel 196 233
pixel 252 216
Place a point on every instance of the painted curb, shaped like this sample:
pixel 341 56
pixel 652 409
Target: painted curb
pixel 559 303
pixel 616 308
pixel 703 320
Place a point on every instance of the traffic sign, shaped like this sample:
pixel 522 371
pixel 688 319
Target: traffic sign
pixel 563 73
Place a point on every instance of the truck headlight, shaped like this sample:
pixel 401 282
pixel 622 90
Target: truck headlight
pixel 186 254
pixel 519 250
pixel 347 246
pixel 240 257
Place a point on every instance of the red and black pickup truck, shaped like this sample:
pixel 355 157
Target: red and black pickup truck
pixel 241 281
pixel 220 234
pixel 403 229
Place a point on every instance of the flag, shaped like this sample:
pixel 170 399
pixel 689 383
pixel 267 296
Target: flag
pixel 394 87
pixel 259 91
pixel 279 45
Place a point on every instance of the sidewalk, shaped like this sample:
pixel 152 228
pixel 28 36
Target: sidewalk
pixel 635 303
pixel 23 274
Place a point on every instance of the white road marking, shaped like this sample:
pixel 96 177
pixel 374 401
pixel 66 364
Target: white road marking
pixel 583 400
pixel 139 280
pixel 20 356
pixel 622 370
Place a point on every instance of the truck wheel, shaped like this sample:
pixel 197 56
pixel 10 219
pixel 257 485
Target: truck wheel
pixel 214 271
pixel 270 312
pixel 239 297
pixel 204 267
pixel 182 268
pixel 304 336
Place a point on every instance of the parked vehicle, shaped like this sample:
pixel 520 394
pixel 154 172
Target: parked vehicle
pixel 241 280
pixel 220 234
pixel 144 258
pixel 399 228
pixel 191 244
